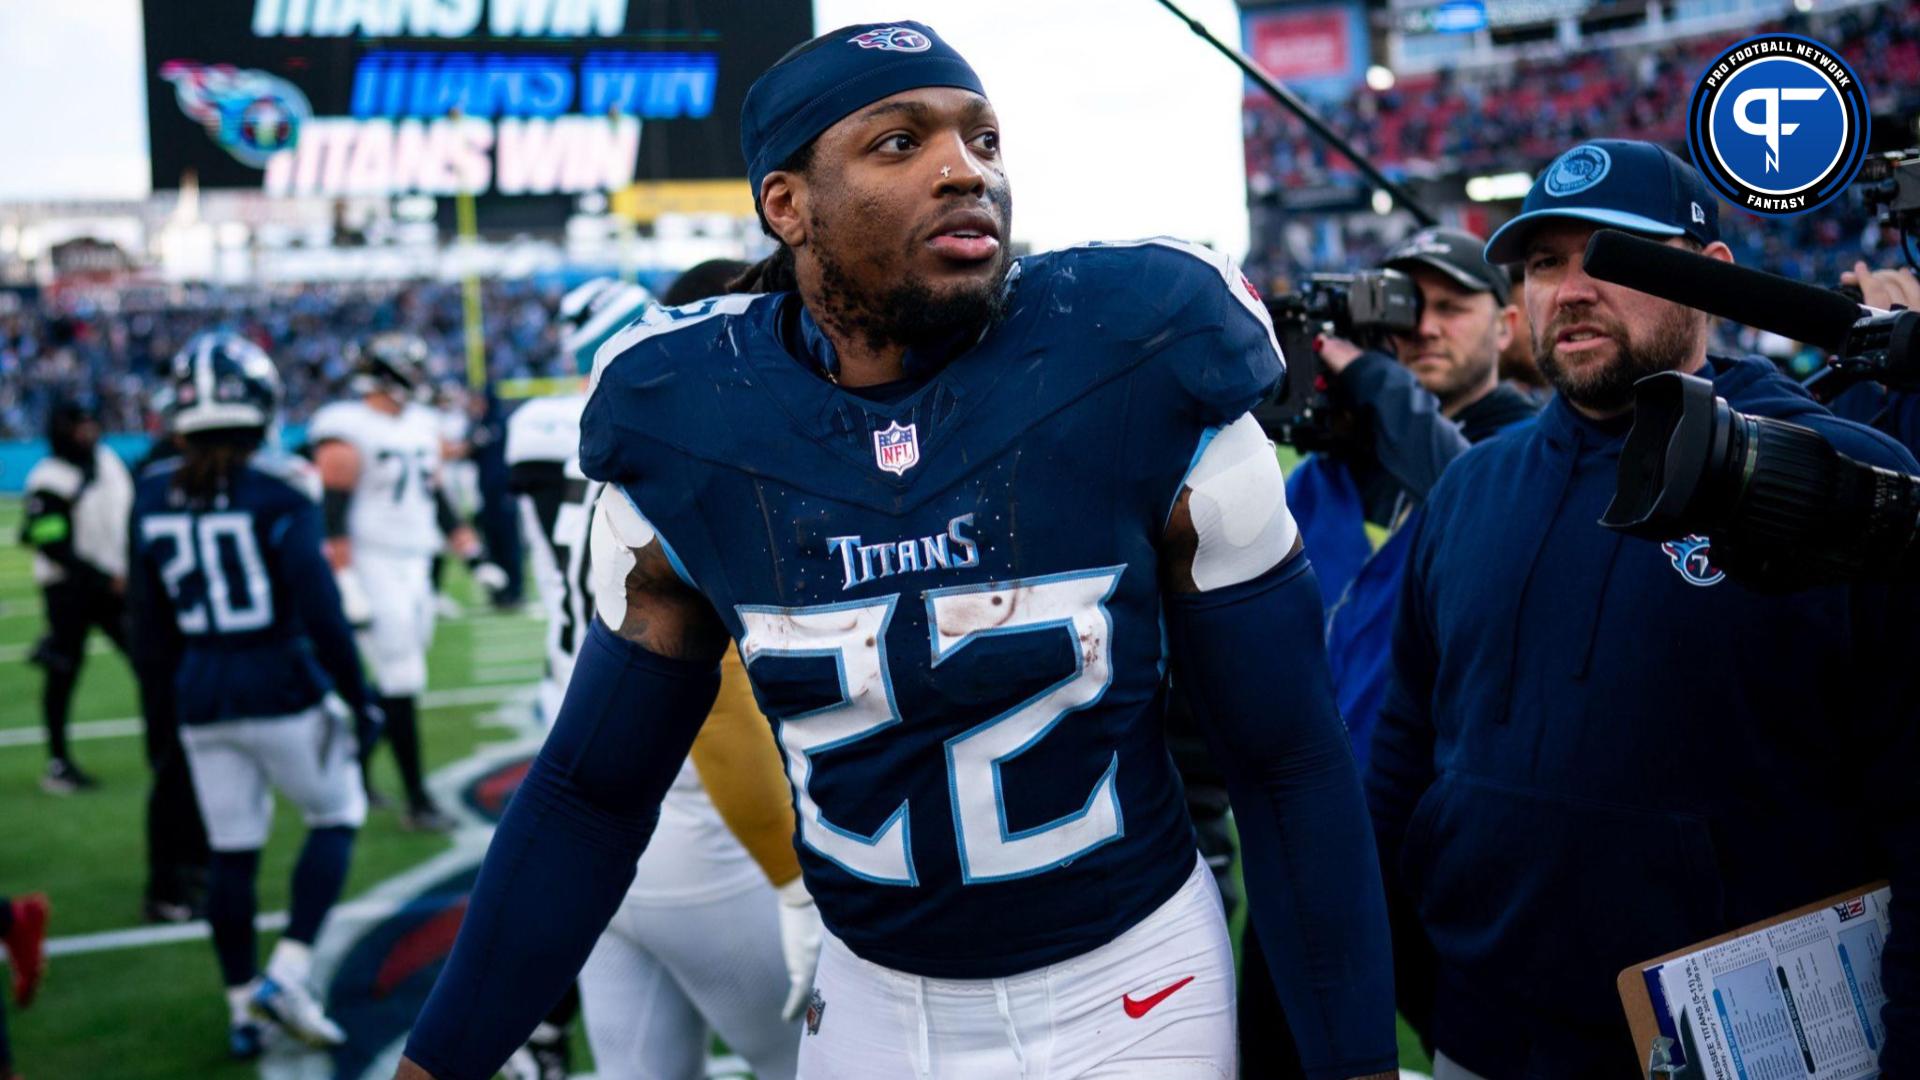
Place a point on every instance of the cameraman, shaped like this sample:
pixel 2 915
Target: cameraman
pixel 1896 412
pixel 1409 415
pixel 1405 417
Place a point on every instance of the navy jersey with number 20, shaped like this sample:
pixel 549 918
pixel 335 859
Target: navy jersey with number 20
pixel 949 604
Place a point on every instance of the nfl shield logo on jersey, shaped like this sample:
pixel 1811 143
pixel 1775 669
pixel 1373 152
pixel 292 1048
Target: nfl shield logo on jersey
pixel 897 449
pixel 816 1012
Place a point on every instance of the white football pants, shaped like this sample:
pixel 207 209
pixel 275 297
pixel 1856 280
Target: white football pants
pixel 1155 1003
pixel 310 757
pixel 663 979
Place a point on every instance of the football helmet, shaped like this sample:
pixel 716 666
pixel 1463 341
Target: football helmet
pixel 593 312
pixel 394 363
pixel 221 381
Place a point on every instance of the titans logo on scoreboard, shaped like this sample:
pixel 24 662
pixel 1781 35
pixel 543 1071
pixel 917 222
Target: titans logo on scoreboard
pixel 251 114
pixel 1779 124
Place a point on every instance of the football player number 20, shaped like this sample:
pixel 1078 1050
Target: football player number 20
pixel 854 635
pixel 198 542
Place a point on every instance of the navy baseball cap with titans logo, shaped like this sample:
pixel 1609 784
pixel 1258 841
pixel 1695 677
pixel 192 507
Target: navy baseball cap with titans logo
pixel 1620 183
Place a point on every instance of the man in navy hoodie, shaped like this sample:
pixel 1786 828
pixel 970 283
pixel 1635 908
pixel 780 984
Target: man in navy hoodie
pixel 1597 749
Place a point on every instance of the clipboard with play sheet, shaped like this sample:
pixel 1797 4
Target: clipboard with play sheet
pixel 1791 997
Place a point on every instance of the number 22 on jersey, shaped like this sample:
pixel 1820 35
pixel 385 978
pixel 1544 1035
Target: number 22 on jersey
pixel 854 636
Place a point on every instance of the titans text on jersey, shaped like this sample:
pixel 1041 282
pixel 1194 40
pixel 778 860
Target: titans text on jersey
pixel 949 602
pixel 952 549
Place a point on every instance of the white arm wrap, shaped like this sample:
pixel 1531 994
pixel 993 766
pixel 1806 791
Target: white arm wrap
pixel 617 532
pixel 1239 508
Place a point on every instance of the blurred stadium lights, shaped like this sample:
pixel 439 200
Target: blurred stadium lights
pixel 1499 187
pixel 1380 78
pixel 415 208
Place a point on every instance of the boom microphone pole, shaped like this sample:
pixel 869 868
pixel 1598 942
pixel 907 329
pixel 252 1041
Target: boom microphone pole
pixel 1864 343
pixel 1291 102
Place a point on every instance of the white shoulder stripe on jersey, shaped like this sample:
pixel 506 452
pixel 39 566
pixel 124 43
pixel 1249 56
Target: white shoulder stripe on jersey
pixel 1228 270
pixel 658 320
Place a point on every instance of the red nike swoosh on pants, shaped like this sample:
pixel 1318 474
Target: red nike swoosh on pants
pixel 1138 1009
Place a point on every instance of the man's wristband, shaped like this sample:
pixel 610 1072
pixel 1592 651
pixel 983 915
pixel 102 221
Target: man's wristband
pixel 444 514
pixel 333 512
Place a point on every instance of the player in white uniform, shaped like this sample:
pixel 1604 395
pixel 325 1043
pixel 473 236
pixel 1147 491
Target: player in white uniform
pixel 697 947
pixel 386 518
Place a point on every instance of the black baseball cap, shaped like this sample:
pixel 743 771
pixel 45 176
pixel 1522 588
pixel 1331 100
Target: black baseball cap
pixel 1620 183
pixel 1454 253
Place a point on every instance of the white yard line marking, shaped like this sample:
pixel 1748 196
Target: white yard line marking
pixel 519 673
pixel 90 729
pixel 530 652
pixel 459 697
pixel 97 645
pixel 141 937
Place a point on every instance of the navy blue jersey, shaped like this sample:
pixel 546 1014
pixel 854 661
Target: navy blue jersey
pixel 234 599
pixel 949 603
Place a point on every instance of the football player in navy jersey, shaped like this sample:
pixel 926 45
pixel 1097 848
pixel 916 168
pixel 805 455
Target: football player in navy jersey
pixel 960 512
pixel 235 610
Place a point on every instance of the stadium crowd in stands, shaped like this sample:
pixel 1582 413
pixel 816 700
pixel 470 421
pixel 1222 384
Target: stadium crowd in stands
pixel 69 346
pixel 1518 117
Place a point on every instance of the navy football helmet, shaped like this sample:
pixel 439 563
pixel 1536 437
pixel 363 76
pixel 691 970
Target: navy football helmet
pixel 221 381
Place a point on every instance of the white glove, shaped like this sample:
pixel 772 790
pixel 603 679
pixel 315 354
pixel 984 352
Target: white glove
pixel 799 943
pixel 490 576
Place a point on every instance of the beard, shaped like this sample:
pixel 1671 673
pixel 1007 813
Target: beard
pixel 910 311
pixel 1467 375
pixel 1607 389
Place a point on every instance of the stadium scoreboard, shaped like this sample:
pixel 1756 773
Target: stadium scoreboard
pixel 343 98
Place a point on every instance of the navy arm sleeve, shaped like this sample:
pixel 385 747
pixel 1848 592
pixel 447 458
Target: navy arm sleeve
pixel 308 581
pixel 1412 441
pixel 1312 880
pixel 564 853
pixel 1399 771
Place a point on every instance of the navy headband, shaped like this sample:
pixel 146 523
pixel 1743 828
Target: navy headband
pixel 832 76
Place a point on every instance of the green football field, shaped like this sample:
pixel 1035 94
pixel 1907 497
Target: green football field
pixel 128 1002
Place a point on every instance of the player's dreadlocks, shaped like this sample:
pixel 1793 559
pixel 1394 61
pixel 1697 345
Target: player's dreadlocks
pixel 208 460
